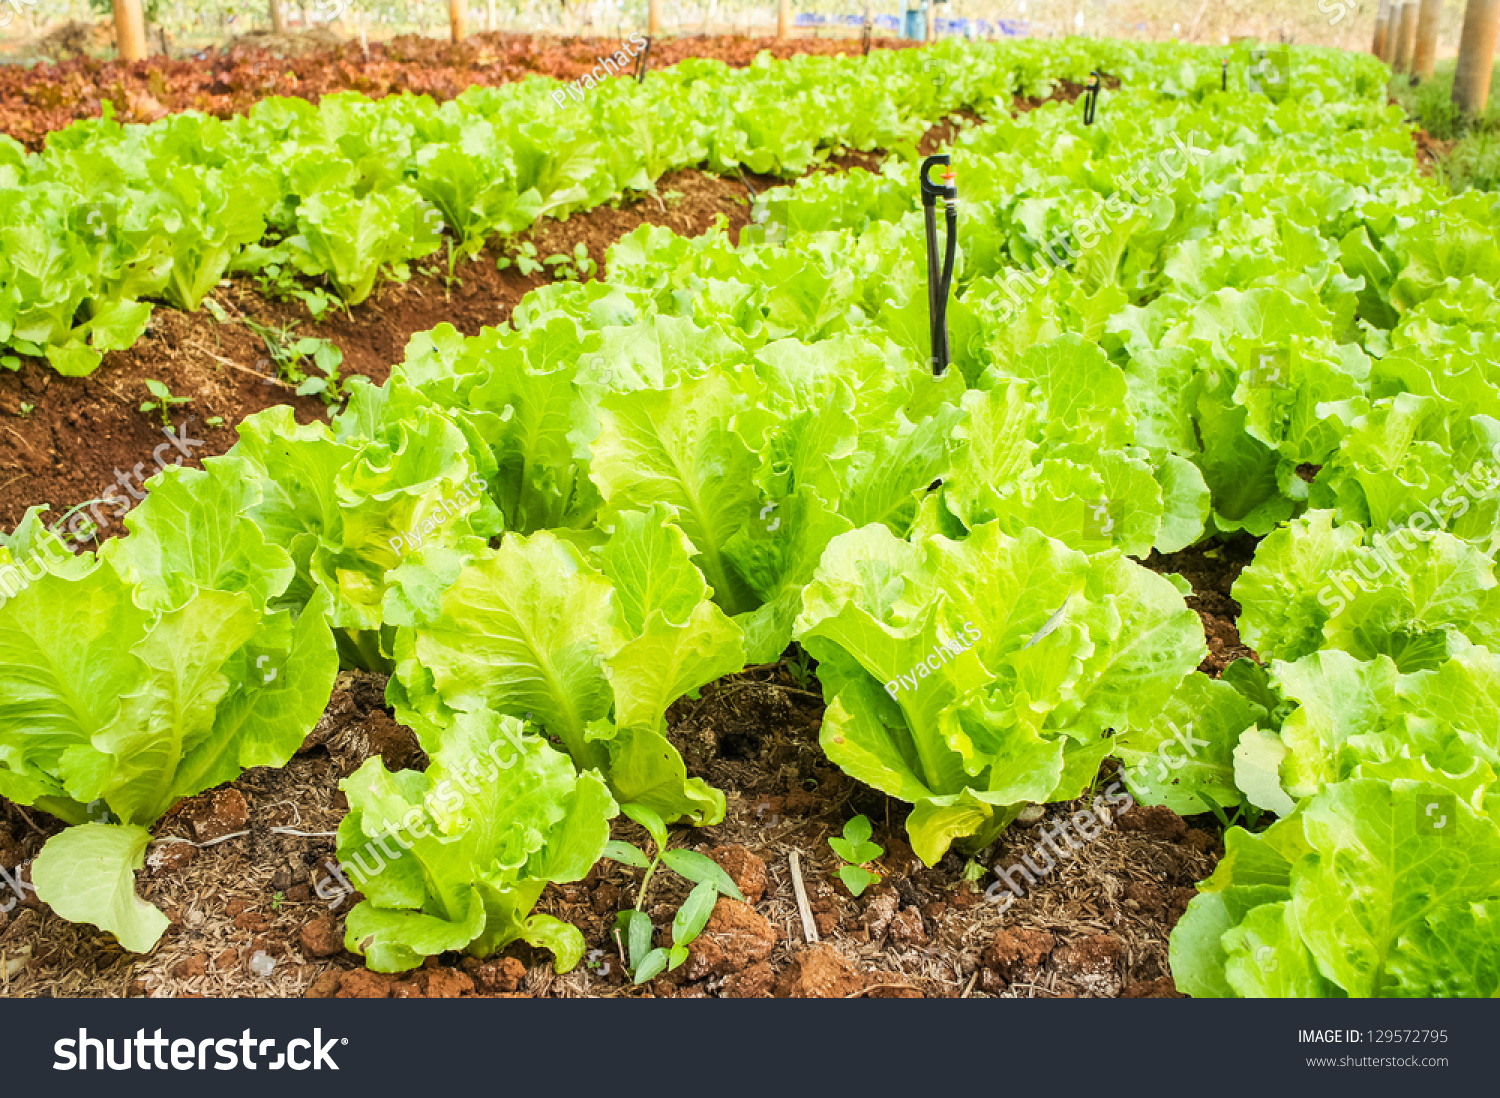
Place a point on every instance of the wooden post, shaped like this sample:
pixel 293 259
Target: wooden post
pixel 1406 33
pixel 783 20
pixel 458 15
pixel 278 20
pixel 1476 55
pixel 1424 54
pixel 1382 29
pixel 130 30
pixel 653 19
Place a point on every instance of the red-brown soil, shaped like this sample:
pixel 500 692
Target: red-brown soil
pixel 1211 568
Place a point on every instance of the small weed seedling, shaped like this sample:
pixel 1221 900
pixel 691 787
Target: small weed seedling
pixel 525 260
pixel 643 962
pixel 293 355
pixel 572 268
pixel 800 668
pixel 278 281
pixel 164 402
pixel 857 849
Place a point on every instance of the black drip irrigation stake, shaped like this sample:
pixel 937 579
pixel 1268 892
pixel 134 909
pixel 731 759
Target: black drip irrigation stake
pixel 1224 69
pixel 643 61
pixel 1091 98
pixel 939 282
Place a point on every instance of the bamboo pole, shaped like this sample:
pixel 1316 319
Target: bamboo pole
pixel 458 15
pixel 1476 55
pixel 1424 56
pixel 1406 34
pixel 130 30
pixel 783 20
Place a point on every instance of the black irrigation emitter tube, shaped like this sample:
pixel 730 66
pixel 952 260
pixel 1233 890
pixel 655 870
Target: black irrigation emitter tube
pixel 1091 98
pixel 643 61
pixel 1224 70
pixel 939 282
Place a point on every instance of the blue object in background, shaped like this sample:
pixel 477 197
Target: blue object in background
pixel 916 24
pixel 812 19
pixel 913 24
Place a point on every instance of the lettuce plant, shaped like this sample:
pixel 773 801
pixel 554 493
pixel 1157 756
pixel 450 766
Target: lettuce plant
pixel 1373 888
pixel 496 817
pixel 972 677
pixel 593 652
pixel 124 697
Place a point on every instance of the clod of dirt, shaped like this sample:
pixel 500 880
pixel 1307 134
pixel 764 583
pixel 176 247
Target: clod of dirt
pixel 1159 988
pixel 340 713
pixel 217 813
pixel 325 986
pixel 1090 962
pixel 500 977
pixel 755 982
pixel 361 983
pixel 1157 821
pixel 11 853
pixel 376 734
pixel 256 922
pixel 168 858
pixel 1015 956
pixel 880 909
pixel 906 928
pixel 321 938
pixel 606 898
pixel 819 972
pixel 736 937
pixel 447 983
pixel 196 965
pixel 746 869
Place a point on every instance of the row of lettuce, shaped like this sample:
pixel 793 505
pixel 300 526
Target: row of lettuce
pixel 1261 320
pixel 110 219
